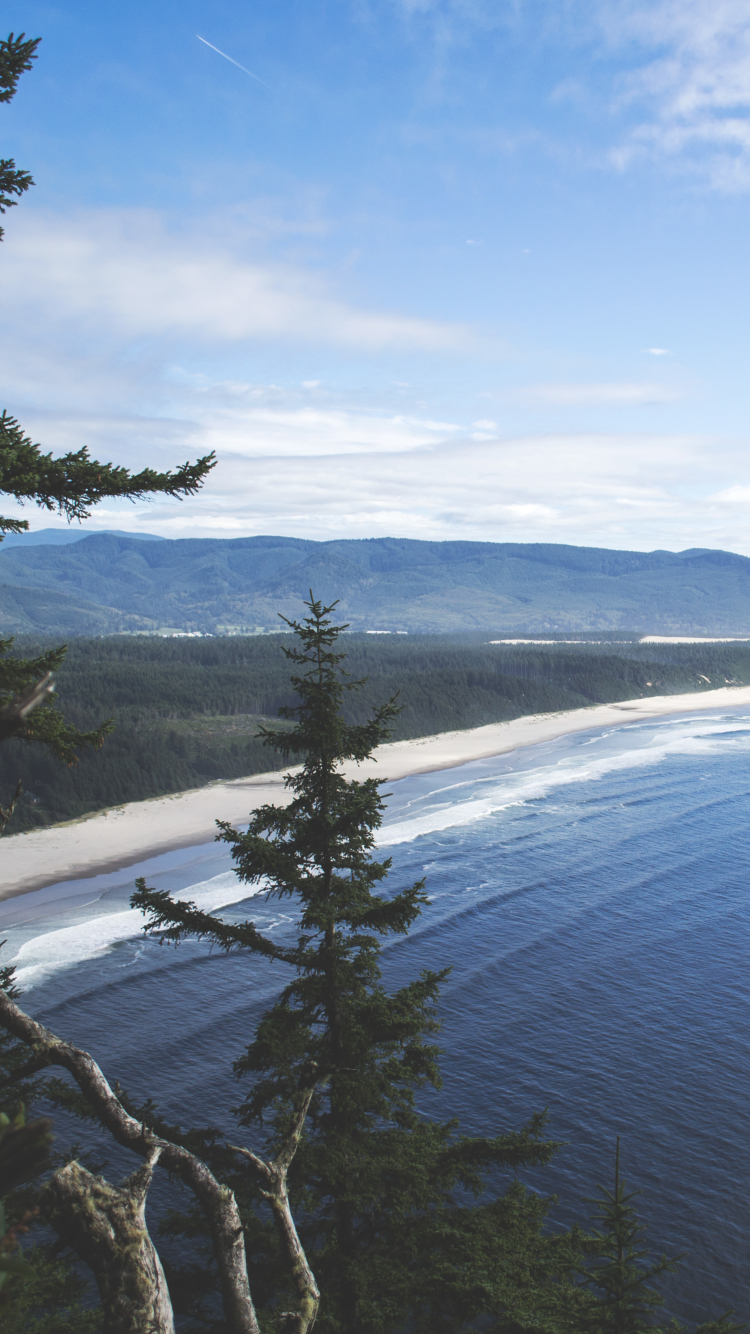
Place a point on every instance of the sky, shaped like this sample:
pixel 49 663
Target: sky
pixel 442 269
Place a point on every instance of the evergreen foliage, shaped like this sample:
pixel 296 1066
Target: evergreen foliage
pixel 40 1293
pixel 24 1153
pixel 74 482
pixel 188 711
pixel 620 1271
pixel 17 55
pixel 50 1300
pixel 71 485
pixel 39 720
pixel 380 1193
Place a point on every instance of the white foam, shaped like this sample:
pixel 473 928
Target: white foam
pixel 465 800
pixel 48 953
pixel 510 790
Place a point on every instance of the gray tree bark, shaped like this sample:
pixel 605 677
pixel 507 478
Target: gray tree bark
pixel 106 1226
pixel 273 1178
pixel 217 1200
pixel 89 1206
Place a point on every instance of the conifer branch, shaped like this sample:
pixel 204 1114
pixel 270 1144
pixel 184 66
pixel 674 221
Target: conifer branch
pixel 75 482
pixel 6 812
pixel 13 715
pixel 175 920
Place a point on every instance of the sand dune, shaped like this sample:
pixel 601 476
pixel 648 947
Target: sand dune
pixel 123 835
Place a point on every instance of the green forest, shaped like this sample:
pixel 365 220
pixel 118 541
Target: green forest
pixel 360 1214
pixel 320 1194
pixel 187 711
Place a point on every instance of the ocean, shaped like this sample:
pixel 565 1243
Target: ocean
pixel 591 896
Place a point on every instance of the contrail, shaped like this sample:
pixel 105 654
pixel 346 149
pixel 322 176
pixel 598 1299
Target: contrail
pixel 232 62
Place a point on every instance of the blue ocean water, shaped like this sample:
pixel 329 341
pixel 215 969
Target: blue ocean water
pixel 591 895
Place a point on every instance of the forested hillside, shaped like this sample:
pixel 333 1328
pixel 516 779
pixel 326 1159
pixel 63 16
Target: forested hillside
pixel 188 711
pixel 226 586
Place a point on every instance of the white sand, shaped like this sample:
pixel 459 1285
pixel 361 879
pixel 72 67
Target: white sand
pixel 123 835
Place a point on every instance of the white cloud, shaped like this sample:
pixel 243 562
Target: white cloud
pixel 231 422
pixel 267 432
pixel 610 490
pixel 683 79
pixel 582 395
pixel 733 495
pixel 625 491
pixel 124 273
pixel 694 83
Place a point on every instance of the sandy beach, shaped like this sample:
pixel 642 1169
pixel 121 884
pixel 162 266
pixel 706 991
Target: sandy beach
pixel 124 835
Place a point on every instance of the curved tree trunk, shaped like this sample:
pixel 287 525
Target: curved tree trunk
pixel 106 1226
pixel 273 1179
pixel 216 1199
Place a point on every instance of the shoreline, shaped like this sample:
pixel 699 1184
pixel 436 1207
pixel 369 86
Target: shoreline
pixel 121 836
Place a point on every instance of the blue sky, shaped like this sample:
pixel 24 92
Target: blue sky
pixel 462 269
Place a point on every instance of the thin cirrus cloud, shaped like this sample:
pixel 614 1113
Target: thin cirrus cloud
pixel 681 76
pixel 123 270
pixel 338 471
pixel 307 432
pixel 693 82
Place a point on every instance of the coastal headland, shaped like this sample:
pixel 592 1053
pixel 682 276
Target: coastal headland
pixel 123 835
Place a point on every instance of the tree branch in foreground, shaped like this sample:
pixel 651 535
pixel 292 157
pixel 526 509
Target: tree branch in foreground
pixel 14 714
pixel 217 1200
pixel 106 1227
pixel 273 1178
pixel 74 482
pixel 86 1206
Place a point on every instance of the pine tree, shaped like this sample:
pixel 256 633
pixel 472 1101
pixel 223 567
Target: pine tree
pixel 39 1293
pixel 621 1271
pixel 71 485
pixel 383 1194
pixel 17 55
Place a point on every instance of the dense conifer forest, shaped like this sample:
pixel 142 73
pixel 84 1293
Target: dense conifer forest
pixel 187 711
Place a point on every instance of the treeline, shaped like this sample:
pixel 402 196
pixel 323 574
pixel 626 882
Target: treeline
pixel 188 711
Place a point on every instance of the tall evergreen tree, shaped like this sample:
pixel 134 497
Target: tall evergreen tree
pixel 74 482
pixel 383 1194
pixel 71 484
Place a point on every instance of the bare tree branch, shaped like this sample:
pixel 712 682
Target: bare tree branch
pixel 217 1200
pixel 273 1176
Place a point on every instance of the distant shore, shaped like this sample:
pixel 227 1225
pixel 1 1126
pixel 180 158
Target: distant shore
pixel 123 835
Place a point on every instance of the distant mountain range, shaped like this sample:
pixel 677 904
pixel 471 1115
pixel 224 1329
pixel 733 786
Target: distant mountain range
pixel 108 582
pixel 62 537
